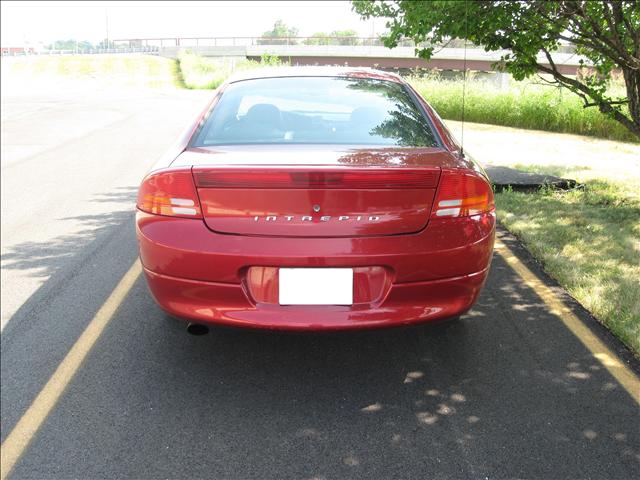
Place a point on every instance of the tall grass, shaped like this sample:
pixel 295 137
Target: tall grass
pixel 521 105
pixel 208 73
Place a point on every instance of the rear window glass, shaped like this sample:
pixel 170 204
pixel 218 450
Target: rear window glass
pixel 312 110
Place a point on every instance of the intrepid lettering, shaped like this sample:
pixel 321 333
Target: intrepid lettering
pixel 309 218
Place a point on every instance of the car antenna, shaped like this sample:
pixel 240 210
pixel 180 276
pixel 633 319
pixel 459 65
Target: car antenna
pixel 464 73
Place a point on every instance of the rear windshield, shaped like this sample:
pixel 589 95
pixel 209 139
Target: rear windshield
pixel 316 110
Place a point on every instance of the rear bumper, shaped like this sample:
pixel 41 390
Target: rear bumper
pixel 230 304
pixel 198 275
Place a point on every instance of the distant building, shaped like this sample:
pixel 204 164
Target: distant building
pixel 18 50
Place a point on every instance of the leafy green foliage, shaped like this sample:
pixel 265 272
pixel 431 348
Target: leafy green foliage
pixel 337 37
pixel 75 45
pixel 605 32
pixel 318 38
pixel 345 37
pixel 280 34
pixel 270 60
pixel 198 72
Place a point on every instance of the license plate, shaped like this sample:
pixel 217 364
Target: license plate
pixel 316 286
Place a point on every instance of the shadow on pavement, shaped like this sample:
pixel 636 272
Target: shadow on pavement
pixel 81 270
pixel 47 258
pixel 505 392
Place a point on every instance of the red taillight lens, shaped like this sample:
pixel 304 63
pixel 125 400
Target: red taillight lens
pixel 331 179
pixel 462 194
pixel 169 192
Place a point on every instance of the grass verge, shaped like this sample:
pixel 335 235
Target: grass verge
pixel 521 105
pixel 208 73
pixel 129 70
pixel 588 239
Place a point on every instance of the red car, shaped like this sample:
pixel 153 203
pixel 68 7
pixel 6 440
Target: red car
pixel 316 199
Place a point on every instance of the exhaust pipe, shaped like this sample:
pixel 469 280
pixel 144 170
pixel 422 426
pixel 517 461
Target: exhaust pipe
pixel 197 329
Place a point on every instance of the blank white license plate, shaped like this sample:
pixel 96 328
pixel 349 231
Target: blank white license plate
pixel 316 286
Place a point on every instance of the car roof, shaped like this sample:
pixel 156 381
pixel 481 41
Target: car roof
pixel 313 71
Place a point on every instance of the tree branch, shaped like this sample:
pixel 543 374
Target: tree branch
pixel 612 102
pixel 620 51
pixel 584 91
pixel 596 44
pixel 616 7
pixel 612 26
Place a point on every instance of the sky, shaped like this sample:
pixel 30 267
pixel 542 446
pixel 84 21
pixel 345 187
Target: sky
pixel 46 21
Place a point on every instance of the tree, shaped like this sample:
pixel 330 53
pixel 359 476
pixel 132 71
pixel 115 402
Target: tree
pixel 605 32
pixel 103 44
pixel 337 37
pixel 318 38
pixel 280 35
pixel 345 37
pixel 81 45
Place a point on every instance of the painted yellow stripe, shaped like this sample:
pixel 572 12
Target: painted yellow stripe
pixel 621 372
pixel 29 424
pixel 18 440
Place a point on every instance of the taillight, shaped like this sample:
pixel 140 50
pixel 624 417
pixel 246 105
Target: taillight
pixel 169 192
pixel 462 194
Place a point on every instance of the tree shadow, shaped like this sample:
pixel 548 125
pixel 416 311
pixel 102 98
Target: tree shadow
pixel 588 241
pixel 505 392
pixel 44 259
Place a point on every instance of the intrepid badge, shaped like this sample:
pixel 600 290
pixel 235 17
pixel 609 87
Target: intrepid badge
pixel 323 218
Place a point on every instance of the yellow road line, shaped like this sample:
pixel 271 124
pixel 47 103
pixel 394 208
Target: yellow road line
pixel 18 440
pixel 31 421
pixel 621 372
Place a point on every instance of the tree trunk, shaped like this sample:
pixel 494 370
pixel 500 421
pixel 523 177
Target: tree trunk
pixel 632 81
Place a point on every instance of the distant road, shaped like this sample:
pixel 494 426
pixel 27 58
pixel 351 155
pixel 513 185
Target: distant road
pixel 72 157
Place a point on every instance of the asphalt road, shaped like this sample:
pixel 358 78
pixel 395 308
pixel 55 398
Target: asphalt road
pixel 508 391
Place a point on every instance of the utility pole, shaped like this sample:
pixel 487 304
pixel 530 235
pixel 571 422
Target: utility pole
pixel 106 20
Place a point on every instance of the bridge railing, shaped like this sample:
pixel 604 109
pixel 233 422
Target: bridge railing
pixel 6 52
pixel 311 41
pixel 251 41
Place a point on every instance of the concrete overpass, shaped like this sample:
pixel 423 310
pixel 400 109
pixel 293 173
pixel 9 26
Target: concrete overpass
pixel 360 52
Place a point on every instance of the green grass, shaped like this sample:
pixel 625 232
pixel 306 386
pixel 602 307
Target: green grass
pixel 588 240
pixel 208 73
pixel 121 69
pixel 522 105
pixel 200 72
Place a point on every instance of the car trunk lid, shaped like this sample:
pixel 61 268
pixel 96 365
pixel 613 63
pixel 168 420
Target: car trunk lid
pixel 374 196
